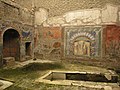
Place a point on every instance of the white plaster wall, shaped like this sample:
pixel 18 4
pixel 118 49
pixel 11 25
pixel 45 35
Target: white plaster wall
pixel 109 14
pixel 40 16
pixel 95 16
pixel 56 20
pixel 85 16
pixel 26 16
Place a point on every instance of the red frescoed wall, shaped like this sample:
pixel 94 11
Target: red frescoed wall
pixel 112 41
pixel 112 33
pixel 52 32
pixel 51 36
pixel 50 39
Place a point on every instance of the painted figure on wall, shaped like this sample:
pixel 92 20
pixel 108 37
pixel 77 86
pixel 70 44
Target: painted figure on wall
pixel 26 35
pixel 82 48
pixel 82 41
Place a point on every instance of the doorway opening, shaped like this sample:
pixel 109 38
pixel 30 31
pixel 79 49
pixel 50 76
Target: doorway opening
pixel 28 48
pixel 11 44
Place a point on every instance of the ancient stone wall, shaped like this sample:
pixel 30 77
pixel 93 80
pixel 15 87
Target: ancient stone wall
pixel 14 16
pixel 13 11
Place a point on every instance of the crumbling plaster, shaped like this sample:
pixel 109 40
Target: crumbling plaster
pixel 95 16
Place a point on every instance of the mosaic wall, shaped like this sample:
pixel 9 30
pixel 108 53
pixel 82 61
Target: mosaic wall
pixel 82 41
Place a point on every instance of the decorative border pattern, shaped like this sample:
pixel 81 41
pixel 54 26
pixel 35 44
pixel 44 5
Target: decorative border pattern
pixel 93 33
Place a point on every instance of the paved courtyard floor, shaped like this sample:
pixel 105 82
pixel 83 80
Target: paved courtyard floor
pixel 24 74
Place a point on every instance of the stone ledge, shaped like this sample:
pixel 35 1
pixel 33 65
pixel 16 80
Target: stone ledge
pixel 47 78
pixel 5 85
pixel 9 61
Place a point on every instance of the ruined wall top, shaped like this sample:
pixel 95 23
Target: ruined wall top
pixel 59 7
pixel 109 14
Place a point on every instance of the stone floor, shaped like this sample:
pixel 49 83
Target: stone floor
pixel 21 64
pixel 81 68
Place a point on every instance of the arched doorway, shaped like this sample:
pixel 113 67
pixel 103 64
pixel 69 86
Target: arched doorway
pixel 11 44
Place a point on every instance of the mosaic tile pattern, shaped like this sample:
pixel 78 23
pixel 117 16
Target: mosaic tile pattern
pixel 85 36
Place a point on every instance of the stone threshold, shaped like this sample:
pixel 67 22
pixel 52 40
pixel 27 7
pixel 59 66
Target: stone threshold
pixel 5 85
